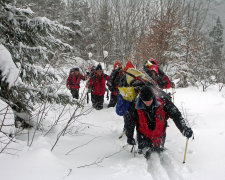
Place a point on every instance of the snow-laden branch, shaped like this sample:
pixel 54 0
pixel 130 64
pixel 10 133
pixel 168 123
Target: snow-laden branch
pixel 20 11
pixel 9 71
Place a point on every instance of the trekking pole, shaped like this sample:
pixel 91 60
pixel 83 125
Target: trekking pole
pixel 173 90
pixel 133 150
pixel 87 98
pixel 107 95
pixel 185 151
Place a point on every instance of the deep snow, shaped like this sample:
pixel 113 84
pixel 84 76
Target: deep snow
pixel 97 153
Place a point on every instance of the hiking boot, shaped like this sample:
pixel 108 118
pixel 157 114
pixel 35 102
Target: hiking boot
pixel 147 153
pixel 99 107
pixel 140 151
pixel 110 105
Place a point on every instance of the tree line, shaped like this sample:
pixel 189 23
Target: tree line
pixel 43 35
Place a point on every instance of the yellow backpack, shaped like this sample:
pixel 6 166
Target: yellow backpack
pixel 134 72
pixel 128 93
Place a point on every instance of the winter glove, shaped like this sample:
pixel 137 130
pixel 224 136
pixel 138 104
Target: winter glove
pixel 131 141
pixel 188 132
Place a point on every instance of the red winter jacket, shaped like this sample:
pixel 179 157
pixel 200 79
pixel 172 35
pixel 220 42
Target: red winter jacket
pixel 161 79
pixel 98 84
pixel 149 121
pixel 165 82
pixel 156 134
pixel 73 81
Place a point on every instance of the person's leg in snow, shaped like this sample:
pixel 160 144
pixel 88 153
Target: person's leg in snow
pixel 94 100
pixel 97 101
pixel 75 93
pixel 100 100
pixel 146 147
pixel 124 127
pixel 113 100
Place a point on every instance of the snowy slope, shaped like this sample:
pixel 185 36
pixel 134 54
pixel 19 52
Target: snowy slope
pixel 97 153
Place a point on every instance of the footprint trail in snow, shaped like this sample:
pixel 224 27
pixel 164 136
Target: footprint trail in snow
pixel 163 167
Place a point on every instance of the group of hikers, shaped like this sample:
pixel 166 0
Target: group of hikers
pixel 96 83
pixel 138 97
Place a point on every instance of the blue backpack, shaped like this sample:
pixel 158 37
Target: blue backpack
pixel 122 106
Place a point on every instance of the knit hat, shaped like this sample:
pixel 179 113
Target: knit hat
pixel 74 69
pixel 129 65
pixel 146 93
pixel 117 65
pixel 99 67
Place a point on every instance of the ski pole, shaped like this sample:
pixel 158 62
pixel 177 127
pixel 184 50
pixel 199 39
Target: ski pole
pixel 185 151
pixel 87 98
pixel 173 89
pixel 133 149
pixel 107 95
pixel 124 132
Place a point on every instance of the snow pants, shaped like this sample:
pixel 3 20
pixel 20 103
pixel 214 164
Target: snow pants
pixel 75 93
pixel 97 101
pixel 144 142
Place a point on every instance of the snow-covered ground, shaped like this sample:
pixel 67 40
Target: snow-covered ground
pixel 95 152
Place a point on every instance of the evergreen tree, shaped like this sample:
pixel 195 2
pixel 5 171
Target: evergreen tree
pixel 77 18
pixel 102 30
pixel 32 43
pixel 52 9
pixel 217 42
pixel 203 72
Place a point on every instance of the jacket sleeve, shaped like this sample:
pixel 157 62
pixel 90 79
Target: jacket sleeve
pixel 161 73
pixel 173 113
pixel 123 81
pixel 68 80
pixel 166 82
pixel 163 80
pixel 82 77
pixel 91 82
pixel 111 79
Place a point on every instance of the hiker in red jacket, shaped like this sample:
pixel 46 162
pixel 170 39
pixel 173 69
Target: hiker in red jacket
pixel 152 69
pixel 113 83
pixel 150 115
pixel 73 82
pixel 97 84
